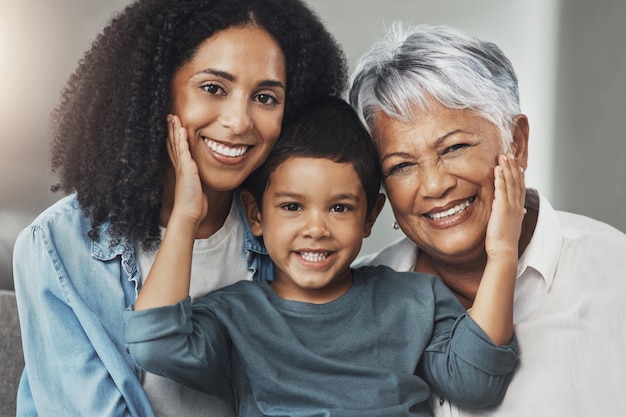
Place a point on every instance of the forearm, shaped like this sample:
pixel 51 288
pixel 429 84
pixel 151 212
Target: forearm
pixel 168 280
pixel 493 306
pixel 470 370
pixel 194 352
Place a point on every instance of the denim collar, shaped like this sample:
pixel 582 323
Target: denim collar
pixel 105 248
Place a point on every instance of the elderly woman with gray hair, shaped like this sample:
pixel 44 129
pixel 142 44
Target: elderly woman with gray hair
pixel 441 106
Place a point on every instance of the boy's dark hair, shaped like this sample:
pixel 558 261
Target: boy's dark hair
pixel 109 130
pixel 328 129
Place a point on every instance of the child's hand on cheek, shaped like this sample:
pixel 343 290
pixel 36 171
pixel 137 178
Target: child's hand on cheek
pixel 507 212
pixel 189 201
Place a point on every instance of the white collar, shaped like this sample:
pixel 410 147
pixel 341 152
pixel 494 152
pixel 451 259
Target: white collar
pixel 544 249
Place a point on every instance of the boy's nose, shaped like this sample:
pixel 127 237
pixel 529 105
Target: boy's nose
pixel 316 227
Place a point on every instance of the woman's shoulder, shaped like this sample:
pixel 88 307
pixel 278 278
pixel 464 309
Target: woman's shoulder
pixel 63 224
pixel 65 209
pixel 399 255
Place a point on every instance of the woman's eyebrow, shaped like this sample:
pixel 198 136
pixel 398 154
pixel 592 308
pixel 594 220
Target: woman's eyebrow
pixel 230 77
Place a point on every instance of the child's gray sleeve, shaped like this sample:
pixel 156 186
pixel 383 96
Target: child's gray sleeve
pixel 192 349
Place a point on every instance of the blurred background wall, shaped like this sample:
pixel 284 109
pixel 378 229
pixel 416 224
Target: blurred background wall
pixel 569 56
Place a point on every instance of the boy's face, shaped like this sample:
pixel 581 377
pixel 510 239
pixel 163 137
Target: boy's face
pixel 313 223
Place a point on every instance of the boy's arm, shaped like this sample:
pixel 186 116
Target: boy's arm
pixel 493 306
pixel 168 280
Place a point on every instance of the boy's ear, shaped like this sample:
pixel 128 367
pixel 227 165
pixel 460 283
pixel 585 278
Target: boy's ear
pixel 373 215
pixel 253 214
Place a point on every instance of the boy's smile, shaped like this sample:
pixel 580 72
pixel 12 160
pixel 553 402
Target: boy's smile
pixel 313 223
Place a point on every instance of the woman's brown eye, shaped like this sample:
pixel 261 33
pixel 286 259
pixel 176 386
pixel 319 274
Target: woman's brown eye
pixel 211 88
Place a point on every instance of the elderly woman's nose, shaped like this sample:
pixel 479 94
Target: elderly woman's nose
pixel 435 179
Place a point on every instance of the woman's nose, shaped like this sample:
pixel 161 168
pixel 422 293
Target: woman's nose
pixel 236 115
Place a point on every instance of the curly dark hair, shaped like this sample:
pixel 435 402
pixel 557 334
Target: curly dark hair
pixel 109 129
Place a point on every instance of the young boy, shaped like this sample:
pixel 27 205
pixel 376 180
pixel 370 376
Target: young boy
pixel 322 339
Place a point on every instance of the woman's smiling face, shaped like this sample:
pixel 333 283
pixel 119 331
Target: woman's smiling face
pixel 231 99
pixel 438 176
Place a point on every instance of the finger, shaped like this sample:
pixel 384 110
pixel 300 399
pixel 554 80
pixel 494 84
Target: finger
pixel 514 180
pixel 177 137
pixel 171 139
pixel 184 153
pixel 517 175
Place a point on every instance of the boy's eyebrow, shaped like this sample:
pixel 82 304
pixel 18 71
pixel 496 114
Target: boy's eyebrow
pixel 348 196
pixel 292 194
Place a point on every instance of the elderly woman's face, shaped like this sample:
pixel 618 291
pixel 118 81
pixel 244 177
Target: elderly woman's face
pixel 438 175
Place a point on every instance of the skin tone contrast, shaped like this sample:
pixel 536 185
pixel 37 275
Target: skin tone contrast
pixel 439 178
pixel 230 98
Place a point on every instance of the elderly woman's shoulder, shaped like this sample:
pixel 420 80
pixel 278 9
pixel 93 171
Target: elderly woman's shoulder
pixel 578 226
pixel 399 255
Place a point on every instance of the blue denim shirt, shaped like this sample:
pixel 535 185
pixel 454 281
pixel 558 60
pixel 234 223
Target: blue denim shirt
pixel 72 292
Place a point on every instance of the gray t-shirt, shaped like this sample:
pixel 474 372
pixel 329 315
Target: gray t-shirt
pixel 372 352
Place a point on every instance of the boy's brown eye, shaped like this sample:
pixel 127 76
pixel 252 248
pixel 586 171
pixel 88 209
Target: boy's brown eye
pixel 291 207
pixel 339 208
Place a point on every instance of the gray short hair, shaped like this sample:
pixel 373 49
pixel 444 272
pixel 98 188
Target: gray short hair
pixel 411 66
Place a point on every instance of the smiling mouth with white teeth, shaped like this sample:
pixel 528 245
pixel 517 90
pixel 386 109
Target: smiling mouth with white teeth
pixel 451 212
pixel 231 152
pixel 314 256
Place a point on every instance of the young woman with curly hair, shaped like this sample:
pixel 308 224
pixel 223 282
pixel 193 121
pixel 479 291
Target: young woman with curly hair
pixel 227 73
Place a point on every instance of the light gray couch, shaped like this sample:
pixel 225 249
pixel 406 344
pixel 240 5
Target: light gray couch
pixel 11 358
pixel 11 222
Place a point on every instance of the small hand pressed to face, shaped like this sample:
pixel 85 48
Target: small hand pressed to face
pixel 231 98
pixel 438 176
pixel 313 221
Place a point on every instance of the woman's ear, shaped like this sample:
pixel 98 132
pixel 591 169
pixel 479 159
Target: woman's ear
pixel 521 131
pixel 373 215
pixel 253 213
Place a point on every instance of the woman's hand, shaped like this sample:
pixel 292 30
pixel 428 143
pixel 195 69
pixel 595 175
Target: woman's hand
pixel 189 201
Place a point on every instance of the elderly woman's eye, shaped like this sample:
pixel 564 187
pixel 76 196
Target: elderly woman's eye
pixel 398 168
pixel 455 147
